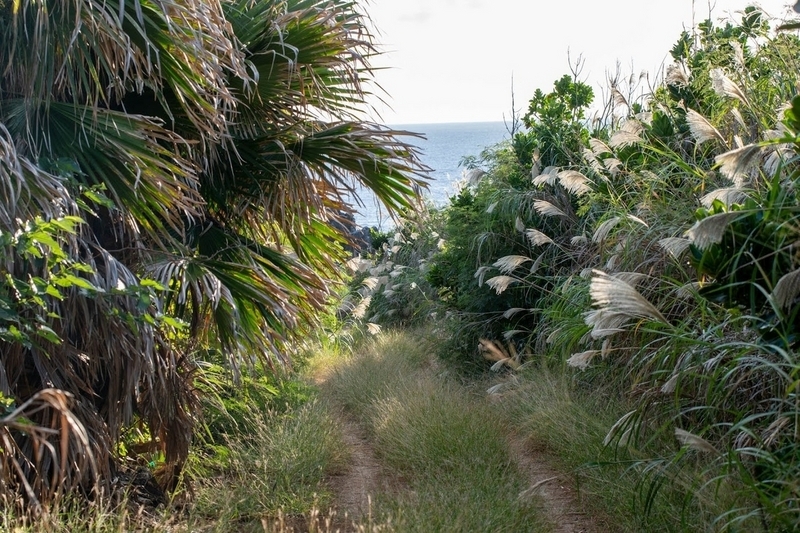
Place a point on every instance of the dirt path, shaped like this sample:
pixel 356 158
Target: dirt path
pixel 355 488
pixel 553 487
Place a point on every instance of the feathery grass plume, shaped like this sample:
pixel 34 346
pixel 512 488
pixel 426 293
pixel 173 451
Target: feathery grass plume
pixel 737 116
pixel 519 225
pixel 492 207
pixel 602 231
pixel 736 163
pixel 710 230
pixel 599 147
pixel 582 360
pixel 574 182
pixel 613 165
pixel 619 98
pixel 617 302
pixel 547 177
pixel 371 283
pixel 545 208
pixel 510 313
pixel 594 163
pixel 786 290
pixel 501 283
pixel 694 442
pixel 360 310
pixel 675 246
pixel 619 425
pixel 669 386
pixel 727 195
pixel 480 274
pixel 373 328
pixel 537 238
pixel 678 75
pixel 579 240
pixel 631 278
pixel 629 133
pixel 537 263
pixel 702 130
pixel 536 166
pixel 687 291
pixel 724 86
pixel 510 263
pixel 474 176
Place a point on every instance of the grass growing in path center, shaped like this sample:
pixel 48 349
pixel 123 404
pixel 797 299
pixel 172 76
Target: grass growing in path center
pixel 447 448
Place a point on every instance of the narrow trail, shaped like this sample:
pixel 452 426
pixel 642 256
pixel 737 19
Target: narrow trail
pixel 554 487
pixel 355 488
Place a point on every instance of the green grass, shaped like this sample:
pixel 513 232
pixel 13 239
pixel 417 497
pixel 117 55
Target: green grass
pixel 569 422
pixel 281 466
pixel 446 446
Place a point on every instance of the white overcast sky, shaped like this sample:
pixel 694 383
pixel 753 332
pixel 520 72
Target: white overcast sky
pixel 453 60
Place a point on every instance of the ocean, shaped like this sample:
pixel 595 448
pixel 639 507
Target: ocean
pixel 444 146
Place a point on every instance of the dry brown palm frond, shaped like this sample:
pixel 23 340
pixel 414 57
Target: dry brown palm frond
pixel 545 208
pixel 724 86
pixel 678 74
pixel 702 130
pixel 736 164
pixel 510 263
pixel 501 283
pixel 537 238
pixel 710 230
pixel 583 359
pixel 786 290
pixel 47 452
pixel 617 302
pixel 694 442
pixel 727 195
pixel 675 246
pixel 575 182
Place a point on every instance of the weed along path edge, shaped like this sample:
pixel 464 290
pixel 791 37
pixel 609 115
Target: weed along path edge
pixel 429 455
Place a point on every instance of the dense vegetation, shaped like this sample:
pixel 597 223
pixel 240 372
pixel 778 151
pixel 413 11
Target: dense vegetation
pixel 173 178
pixel 649 252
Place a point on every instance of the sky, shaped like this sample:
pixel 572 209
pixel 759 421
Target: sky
pixel 454 60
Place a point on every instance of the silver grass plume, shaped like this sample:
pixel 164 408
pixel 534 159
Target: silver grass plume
pixel 617 302
pixel 629 133
pixel 728 196
pixel 510 263
pixel 694 442
pixel 737 116
pixel 675 246
pixel 474 176
pixel 500 283
pixel 582 360
pixel 613 165
pixel 688 291
pixel 547 177
pixel 618 98
pixel 710 230
pixel 678 75
pixel 702 130
pixel 574 182
pixel 594 163
pixel 537 238
pixel 602 231
pixel 579 240
pixel 724 86
pixel 786 290
pixel 736 163
pixel 519 225
pixel 480 274
pixel 599 147
pixel 545 208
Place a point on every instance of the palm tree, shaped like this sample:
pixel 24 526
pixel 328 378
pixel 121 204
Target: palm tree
pixel 170 173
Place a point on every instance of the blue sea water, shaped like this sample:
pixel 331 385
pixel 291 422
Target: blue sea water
pixel 443 148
